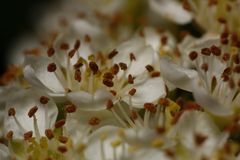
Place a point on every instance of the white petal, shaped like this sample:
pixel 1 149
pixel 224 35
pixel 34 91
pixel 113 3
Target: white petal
pixel 209 103
pixel 171 10
pixel 144 55
pixel 88 102
pixel 22 103
pixel 4 152
pixel 147 92
pixel 181 77
pixel 49 79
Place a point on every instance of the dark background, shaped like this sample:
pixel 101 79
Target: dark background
pixel 16 19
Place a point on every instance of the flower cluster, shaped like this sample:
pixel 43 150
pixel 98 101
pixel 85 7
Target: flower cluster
pixel 126 80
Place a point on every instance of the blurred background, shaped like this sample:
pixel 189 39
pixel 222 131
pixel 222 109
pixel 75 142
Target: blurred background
pixel 17 19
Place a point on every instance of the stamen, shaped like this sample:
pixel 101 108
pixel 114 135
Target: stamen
pixel 237 69
pixel 44 100
pixel 132 92
pixel 32 111
pixel 71 108
pixel 63 139
pixel 77 44
pixel 193 55
pixel 94 121
pixel 155 74
pixel 150 107
pixel 199 139
pixel 215 50
pixel 164 40
pixel 226 56
pixel 112 54
pixel 108 75
pixel 134 115
pixel 77 75
pixel 114 93
pixel 130 79
pixel 71 53
pixel 64 46
pixel 60 123
pixel 62 149
pixel 28 135
pixel 206 51
pixel 160 130
pixel 108 82
pixel 109 104
pixel 132 57
pixel 204 67
pixel 123 66
pixel 115 69
pixel 49 133
pixel 94 67
pixel 52 67
pixel 231 83
pixel 11 112
pixel 50 52
pixel 9 135
pixel 236 59
pixel 164 102
pixel 87 38
pixel 149 68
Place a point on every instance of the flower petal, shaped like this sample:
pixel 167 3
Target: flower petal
pixel 88 102
pixel 172 10
pixel 181 77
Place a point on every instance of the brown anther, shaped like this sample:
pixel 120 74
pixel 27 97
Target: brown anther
pixel 164 102
pixel 78 65
pixel 64 46
pixel 94 67
pixel 228 7
pixel 108 82
pixel 77 44
pixel 11 112
pixel 176 117
pixel 226 56
pixel 149 68
pixel 215 50
pixel 70 108
pixel 150 107
pixel 123 66
pixel 132 92
pixel 109 104
pixel 155 74
pixel 43 100
pixel 71 53
pixel 114 93
pixel 112 54
pixel 59 123
pixel 169 153
pixel 63 139
pixel 193 55
pixel 237 69
pixel 94 121
pixel 77 75
pixel 225 78
pixel 28 135
pixel 49 133
pixel 224 41
pixel 115 69
pixel 50 51
pixel 231 83
pixel 204 67
pixel 190 105
pixel 62 149
pixel 108 75
pixel 206 51
pixel 186 5
pixel 87 38
pixel 134 115
pixel 199 139
pixel 9 135
pixel 164 40
pixel 132 57
pixel 141 33
pixel 32 111
pixel 52 67
pixel 222 20
pixel 236 59
pixel 212 2
pixel 130 79
pixel 160 129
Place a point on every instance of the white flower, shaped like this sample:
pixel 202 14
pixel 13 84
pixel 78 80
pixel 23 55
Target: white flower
pixel 214 83
pixel 4 152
